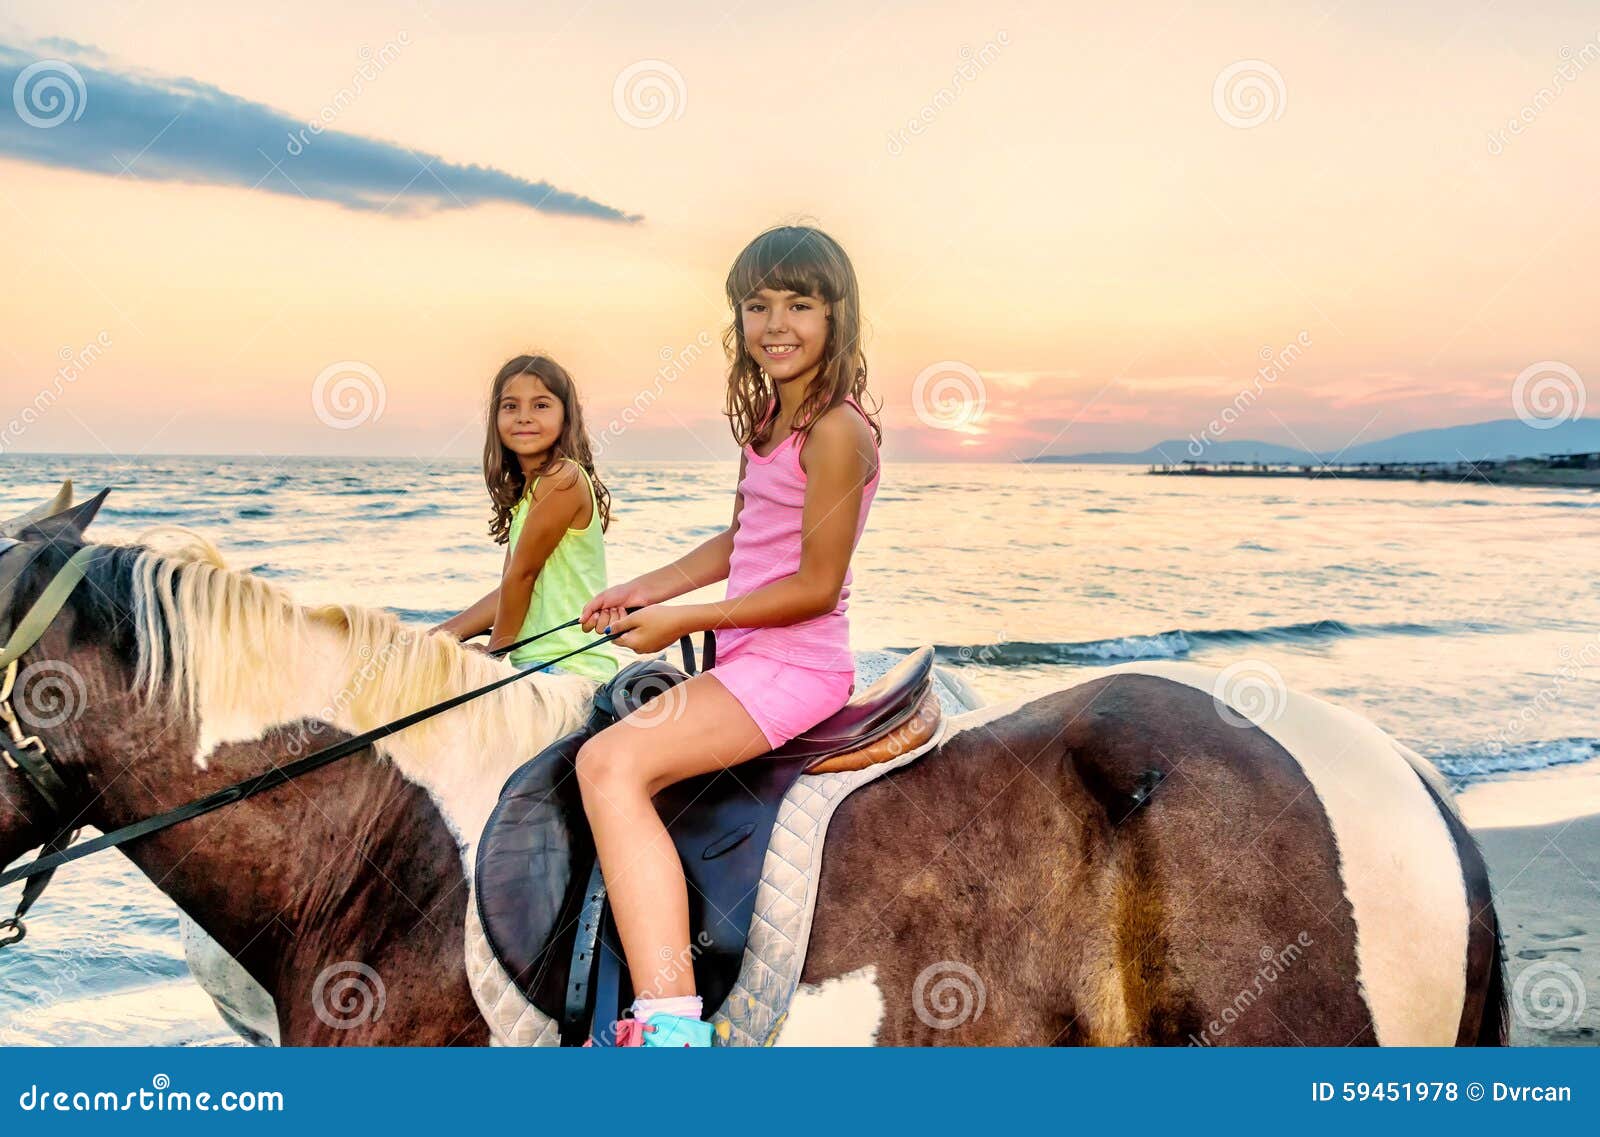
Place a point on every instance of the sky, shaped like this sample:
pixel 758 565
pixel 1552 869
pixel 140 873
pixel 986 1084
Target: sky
pixel 319 229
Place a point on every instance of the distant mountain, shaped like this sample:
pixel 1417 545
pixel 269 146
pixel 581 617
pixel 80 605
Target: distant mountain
pixel 1504 438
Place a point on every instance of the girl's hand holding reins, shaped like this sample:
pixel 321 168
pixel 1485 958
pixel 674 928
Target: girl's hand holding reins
pixel 612 604
pixel 650 629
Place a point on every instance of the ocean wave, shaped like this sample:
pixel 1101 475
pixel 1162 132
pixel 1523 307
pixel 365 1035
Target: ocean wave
pixel 1180 642
pixel 407 514
pixel 1498 759
pixel 429 616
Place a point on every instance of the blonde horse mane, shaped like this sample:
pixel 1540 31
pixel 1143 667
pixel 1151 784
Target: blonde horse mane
pixel 230 646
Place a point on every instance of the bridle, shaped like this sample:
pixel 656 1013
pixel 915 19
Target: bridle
pixel 28 753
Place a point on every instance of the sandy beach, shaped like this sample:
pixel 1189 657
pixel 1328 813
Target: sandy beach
pixel 1541 838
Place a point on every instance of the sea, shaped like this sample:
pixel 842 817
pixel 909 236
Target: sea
pixel 1464 619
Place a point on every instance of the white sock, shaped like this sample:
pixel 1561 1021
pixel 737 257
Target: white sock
pixel 684 1006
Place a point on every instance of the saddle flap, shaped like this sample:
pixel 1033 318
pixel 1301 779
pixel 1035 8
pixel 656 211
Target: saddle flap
pixel 536 853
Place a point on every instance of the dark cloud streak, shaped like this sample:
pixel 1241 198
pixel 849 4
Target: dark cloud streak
pixel 179 130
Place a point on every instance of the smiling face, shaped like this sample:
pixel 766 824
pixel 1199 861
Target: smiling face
pixel 785 333
pixel 529 418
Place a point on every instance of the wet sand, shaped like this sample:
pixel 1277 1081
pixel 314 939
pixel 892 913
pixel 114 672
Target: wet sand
pixel 1546 881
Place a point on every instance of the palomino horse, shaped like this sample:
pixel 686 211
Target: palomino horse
pixel 1125 862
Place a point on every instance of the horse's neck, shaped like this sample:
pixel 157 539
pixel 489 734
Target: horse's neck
pixel 363 861
pixel 341 864
pixel 461 758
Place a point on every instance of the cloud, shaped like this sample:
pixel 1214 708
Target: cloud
pixel 72 47
pixel 80 115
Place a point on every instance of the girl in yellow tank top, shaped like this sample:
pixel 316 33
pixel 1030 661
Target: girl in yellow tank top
pixel 550 511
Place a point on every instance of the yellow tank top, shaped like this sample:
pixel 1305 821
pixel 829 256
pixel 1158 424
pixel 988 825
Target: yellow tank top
pixel 573 574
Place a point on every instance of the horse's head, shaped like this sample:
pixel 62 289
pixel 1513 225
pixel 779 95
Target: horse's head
pixel 46 651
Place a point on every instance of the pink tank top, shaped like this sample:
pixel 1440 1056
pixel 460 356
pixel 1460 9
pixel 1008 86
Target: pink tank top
pixel 766 548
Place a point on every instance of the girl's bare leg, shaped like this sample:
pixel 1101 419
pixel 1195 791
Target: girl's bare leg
pixel 692 729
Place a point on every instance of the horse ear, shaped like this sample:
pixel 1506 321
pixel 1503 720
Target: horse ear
pixel 77 518
pixel 55 505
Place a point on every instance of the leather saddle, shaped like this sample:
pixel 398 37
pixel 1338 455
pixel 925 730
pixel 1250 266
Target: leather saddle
pixel 541 898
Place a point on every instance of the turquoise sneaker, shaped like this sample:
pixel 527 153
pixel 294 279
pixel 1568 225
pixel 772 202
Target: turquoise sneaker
pixel 665 1030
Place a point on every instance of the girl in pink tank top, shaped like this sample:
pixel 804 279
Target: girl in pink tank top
pixel 807 477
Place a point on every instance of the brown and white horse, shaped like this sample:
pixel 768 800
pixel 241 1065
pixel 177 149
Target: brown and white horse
pixel 1125 862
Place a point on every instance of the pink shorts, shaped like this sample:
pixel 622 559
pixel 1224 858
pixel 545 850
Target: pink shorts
pixel 785 700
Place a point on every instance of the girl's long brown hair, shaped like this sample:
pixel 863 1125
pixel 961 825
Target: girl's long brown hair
pixel 795 258
pixel 502 473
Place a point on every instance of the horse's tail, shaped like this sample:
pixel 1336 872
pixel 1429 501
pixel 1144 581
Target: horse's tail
pixel 1494 1029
